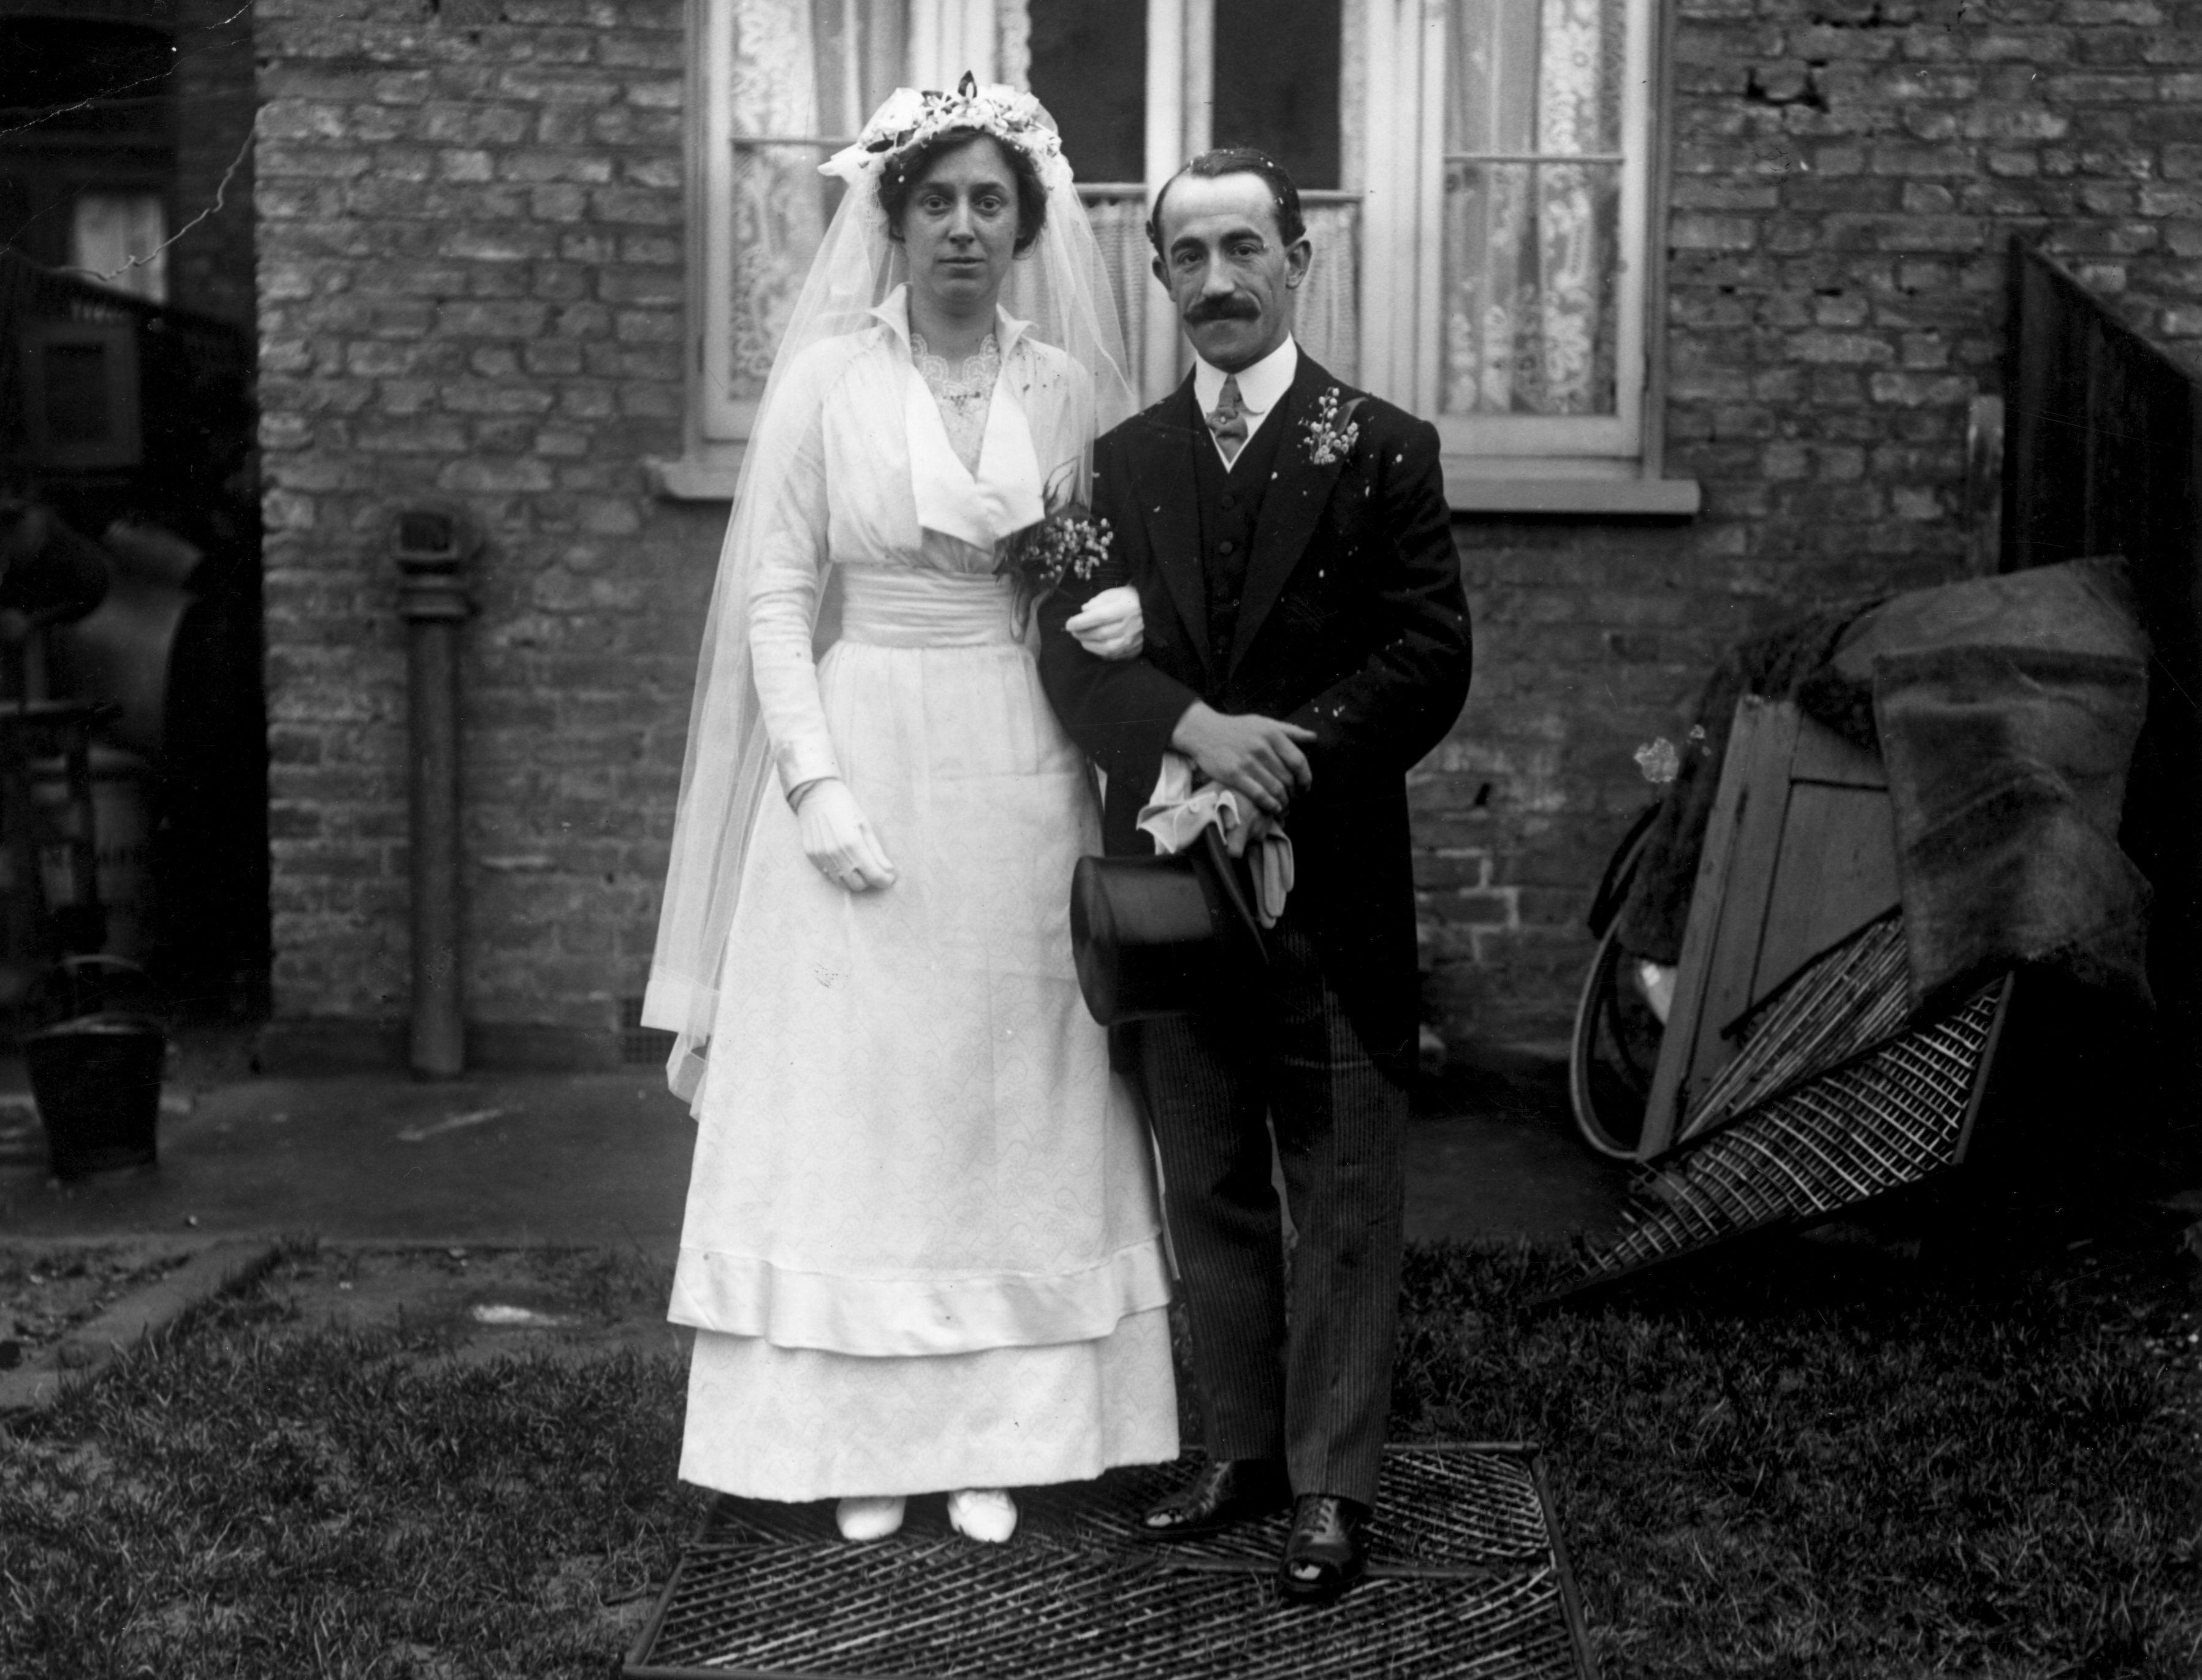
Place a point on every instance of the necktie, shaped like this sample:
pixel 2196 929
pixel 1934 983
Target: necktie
pixel 1228 420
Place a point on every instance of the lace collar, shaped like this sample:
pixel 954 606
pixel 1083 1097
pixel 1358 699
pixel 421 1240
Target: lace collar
pixel 893 311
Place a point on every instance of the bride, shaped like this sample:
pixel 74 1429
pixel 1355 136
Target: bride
pixel 920 1250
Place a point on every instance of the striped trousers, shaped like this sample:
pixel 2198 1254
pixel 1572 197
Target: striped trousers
pixel 1299 1367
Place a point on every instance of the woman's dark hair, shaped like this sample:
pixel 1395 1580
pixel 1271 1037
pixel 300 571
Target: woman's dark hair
pixel 1284 196
pixel 903 172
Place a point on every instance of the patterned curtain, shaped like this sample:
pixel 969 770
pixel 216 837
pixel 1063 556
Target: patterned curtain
pixel 801 68
pixel 1328 319
pixel 1530 237
pixel 1013 43
pixel 1120 228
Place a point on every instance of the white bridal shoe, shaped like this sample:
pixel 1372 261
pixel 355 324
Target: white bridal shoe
pixel 869 1518
pixel 983 1513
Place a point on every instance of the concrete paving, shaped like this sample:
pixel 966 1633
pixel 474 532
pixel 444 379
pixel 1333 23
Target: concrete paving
pixel 84 1351
pixel 602 1160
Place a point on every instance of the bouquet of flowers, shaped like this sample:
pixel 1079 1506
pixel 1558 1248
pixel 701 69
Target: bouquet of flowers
pixel 1068 550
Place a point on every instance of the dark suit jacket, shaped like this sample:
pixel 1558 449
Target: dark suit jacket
pixel 1353 624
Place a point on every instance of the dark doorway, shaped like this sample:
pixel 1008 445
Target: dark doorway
pixel 127 433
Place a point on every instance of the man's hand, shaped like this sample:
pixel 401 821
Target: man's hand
pixel 837 839
pixel 1111 626
pixel 1258 756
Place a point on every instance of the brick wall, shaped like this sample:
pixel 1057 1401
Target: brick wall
pixel 471 268
pixel 471 273
pixel 1846 173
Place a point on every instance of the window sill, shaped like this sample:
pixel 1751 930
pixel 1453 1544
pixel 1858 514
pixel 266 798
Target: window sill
pixel 709 473
pixel 1472 487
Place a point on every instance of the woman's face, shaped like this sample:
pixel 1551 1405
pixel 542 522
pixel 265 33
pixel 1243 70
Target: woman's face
pixel 960 228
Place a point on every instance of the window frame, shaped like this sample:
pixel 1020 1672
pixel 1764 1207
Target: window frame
pixel 716 418
pixel 1493 463
pixel 1514 462
pixel 714 425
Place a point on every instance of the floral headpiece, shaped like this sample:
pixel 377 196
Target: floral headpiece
pixel 910 117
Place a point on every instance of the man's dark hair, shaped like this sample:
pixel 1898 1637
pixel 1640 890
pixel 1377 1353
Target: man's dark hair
pixel 1284 196
pixel 899 179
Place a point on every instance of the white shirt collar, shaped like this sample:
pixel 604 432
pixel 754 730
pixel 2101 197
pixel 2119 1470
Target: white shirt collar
pixel 1261 387
pixel 894 310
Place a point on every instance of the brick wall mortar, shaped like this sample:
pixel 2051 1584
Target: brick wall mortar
pixel 471 257
pixel 1847 175
pixel 471 286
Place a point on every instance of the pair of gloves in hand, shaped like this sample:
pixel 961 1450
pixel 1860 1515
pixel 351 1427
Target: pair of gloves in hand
pixel 836 836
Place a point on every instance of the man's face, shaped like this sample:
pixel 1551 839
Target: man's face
pixel 1230 274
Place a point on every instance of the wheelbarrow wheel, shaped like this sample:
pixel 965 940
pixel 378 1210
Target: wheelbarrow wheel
pixel 1614 1051
pixel 1615 1047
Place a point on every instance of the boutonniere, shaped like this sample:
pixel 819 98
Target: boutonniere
pixel 1067 547
pixel 1331 430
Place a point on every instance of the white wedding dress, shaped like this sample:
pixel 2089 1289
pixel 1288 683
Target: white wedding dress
pixel 922 1250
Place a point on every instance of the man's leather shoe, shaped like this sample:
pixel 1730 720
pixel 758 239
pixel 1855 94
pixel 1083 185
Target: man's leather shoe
pixel 1225 1493
pixel 1326 1552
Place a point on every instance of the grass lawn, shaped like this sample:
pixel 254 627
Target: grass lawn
pixel 1822 1465
pixel 1806 1466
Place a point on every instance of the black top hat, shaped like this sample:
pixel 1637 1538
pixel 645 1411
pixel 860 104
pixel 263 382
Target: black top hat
pixel 1169 935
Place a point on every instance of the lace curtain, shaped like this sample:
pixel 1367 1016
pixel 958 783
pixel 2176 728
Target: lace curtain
pixel 1328 319
pixel 804 76
pixel 1120 228
pixel 1530 234
pixel 806 73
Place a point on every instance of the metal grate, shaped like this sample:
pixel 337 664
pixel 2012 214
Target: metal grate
pixel 1466 1579
pixel 1888 1119
pixel 1845 1002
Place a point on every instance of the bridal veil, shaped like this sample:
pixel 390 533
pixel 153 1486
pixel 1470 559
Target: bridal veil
pixel 1061 286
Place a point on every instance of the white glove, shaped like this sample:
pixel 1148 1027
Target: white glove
pixel 837 838
pixel 1111 626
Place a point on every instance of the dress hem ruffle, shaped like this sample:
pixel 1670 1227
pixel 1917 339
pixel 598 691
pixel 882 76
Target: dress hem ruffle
pixel 790 1424
pixel 740 1294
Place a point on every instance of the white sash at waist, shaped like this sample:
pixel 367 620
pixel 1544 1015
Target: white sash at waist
pixel 897 607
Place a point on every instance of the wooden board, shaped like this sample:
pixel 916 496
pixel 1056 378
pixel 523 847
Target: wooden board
pixel 1800 854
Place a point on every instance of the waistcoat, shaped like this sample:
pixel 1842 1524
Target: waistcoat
pixel 1230 508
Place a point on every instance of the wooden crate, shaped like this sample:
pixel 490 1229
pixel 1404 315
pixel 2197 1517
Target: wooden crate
pixel 1799 856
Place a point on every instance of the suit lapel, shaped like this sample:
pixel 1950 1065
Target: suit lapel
pixel 1169 495
pixel 1290 508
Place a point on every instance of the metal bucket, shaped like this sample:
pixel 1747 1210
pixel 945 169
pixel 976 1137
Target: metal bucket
pixel 97 1081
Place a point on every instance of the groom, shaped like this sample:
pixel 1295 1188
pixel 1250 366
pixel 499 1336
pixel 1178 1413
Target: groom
pixel 1306 643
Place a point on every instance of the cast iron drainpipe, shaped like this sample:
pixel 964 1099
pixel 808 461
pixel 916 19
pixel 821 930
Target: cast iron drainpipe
pixel 431 547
